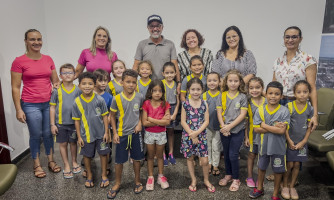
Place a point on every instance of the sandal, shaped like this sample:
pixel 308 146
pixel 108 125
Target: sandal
pixel 111 192
pixel 104 183
pixel 225 180
pixel 55 168
pixel 39 173
pixel 215 172
pixel 271 177
pixel 67 175
pixel 235 185
pixel 76 170
pixel 211 188
pixel 90 182
pixel 136 189
pixel 192 188
pixel 84 173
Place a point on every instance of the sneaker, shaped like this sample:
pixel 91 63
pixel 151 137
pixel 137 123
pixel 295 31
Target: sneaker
pixel 275 198
pixel 250 182
pixel 285 193
pixel 165 161
pixel 150 183
pixel 255 193
pixel 293 193
pixel 171 159
pixel 162 181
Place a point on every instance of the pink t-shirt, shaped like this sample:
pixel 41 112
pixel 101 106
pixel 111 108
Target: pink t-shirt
pixel 99 61
pixel 156 113
pixel 36 77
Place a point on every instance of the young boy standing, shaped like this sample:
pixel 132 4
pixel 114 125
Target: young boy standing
pixel 125 107
pixel 91 122
pixel 62 125
pixel 271 121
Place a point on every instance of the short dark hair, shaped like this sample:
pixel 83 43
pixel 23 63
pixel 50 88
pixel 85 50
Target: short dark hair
pixel 168 64
pixel 129 72
pixel 184 40
pixel 101 74
pixel 149 92
pixel 89 75
pixel 275 84
pixel 300 82
pixel 194 80
pixel 225 47
pixel 66 66
pixel 296 28
pixel 196 57
pixel 29 31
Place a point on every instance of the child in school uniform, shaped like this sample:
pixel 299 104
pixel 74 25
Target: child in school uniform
pixel 196 67
pixel 62 125
pixel 213 134
pixel 271 121
pixel 171 96
pixel 114 86
pixel 300 114
pixel 91 123
pixel 145 70
pixel 125 107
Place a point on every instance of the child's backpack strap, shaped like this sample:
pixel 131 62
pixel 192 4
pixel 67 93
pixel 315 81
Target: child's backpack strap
pixel 84 119
pixel 290 106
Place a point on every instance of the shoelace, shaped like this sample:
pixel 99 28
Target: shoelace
pixel 163 179
pixel 150 181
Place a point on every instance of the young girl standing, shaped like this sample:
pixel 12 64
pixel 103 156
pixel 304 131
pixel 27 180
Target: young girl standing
pixel 156 117
pixel 115 86
pixel 196 67
pixel 169 72
pixel 300 114
pixel 145 70
pixel 255 89
pixel 194 120
pixel 213 135
pixel 231 111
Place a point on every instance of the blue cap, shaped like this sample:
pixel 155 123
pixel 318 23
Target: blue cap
pixel 154 18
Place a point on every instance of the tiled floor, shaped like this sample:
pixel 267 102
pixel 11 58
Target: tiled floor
pixel 314 179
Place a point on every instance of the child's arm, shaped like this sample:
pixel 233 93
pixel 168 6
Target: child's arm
pixel 77 128
pixel 273 129
pixel 106 128
pixel 183 121
pixel 246 134
pixel 302 143
pixel 54 129
pixel 228 127
pixel 183 96
pixel 161 122
pixel 204 125
pixel 291 144
pixel 145 121
pixel 173 117
pixel 220 117
pixel 139 125
pixel 114 128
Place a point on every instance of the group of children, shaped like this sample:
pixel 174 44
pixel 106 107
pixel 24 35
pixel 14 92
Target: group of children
pixel 214 113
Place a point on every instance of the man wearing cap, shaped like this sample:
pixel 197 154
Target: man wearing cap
pixel 157 49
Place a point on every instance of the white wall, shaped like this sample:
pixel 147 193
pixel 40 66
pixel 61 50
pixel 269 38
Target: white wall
pixel 67 27
pixel 16 17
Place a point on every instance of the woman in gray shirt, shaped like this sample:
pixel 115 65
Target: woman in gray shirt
pixel 234 55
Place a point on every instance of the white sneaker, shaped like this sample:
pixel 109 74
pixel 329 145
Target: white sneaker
pixel 162 181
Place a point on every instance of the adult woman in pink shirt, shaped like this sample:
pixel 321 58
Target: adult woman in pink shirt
pixel 37 71
pixel 99 55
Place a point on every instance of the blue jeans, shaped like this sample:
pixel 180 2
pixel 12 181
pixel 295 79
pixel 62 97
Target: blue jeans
pixel 231 146
pixel 38 121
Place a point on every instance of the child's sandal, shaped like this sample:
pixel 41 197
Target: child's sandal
pixel 235 185
pixel 224 181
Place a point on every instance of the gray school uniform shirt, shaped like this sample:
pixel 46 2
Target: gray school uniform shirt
pixel 233 105
pixel 127 112
pixel 114 87
pixel 90 113
pixel 188 78
pixel 270 143
pixel 170 92
pixel 250 114
pixel 299 121
pixel 142 87
pixel 211 100
pixel 63 100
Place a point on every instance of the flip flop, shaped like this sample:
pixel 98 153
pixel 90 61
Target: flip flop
pixel 137 188
pixel 104 183
pixel 211 188
pixel 192 188
pixel 215 172
pixel 76 170
pixel 91 184
pixel 67 175
pixel 111 192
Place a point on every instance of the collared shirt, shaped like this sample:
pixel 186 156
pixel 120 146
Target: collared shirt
pixel 170 92
pixel 183 60
pixel 252 107
pixel 188 78
pixel 63 100
pixel 142 87
pixel 211 100
pixel 114 87
pixel 289 73
pixel 158 54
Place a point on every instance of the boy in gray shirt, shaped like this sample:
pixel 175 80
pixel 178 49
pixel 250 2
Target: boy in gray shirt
pixel 271 121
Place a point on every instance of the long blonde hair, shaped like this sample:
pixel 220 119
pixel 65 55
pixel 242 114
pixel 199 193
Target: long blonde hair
pixel 242 83
pixel 108 46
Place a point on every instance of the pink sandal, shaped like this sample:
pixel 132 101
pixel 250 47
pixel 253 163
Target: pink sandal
pixel 235 185
pixel 225 180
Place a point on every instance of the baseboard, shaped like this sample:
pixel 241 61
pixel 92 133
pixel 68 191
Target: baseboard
pixel 21 156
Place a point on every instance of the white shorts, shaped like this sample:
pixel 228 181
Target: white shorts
pixel 155 138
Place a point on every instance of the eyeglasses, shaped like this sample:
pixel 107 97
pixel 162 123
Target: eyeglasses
pixel 155 26
pixel 66 73
pixel 293 37
pixel 232 37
